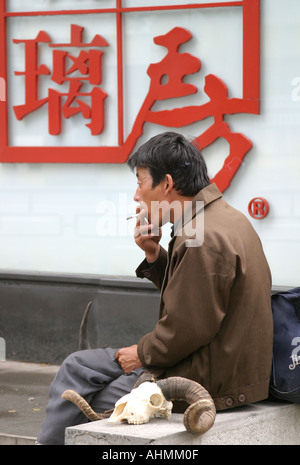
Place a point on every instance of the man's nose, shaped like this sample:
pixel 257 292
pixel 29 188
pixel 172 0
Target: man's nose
pixel 137 197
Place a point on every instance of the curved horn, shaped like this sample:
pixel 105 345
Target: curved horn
pixel 199 417
pixel 82 404
pixel 145 376
pixel 83 331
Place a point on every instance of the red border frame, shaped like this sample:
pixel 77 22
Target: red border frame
pixel 120 153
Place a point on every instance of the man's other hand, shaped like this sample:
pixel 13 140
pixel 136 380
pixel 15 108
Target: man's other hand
pixel 128 358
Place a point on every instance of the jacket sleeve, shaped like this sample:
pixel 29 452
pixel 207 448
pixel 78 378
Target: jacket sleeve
pixel 154 272
pixel 194 304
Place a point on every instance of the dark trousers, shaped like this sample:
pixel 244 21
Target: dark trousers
pixel 96 376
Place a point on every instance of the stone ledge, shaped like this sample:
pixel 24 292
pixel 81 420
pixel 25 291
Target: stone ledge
pixel 262 423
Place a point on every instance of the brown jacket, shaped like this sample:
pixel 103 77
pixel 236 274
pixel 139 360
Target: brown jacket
pixel 215 322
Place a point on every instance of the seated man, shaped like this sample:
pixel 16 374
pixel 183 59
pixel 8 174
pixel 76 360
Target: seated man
pixel 215 322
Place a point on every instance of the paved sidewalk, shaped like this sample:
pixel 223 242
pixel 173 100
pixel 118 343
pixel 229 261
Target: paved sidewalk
pixel 24 391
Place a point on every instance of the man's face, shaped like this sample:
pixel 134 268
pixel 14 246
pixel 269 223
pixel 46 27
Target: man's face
pixel 151 199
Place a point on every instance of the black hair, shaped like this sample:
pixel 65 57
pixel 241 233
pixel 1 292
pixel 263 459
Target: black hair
pixel 171 153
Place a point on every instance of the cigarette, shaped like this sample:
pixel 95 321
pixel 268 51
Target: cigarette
pixel 133 216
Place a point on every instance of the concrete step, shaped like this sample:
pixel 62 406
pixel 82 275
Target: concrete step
pixel 262 423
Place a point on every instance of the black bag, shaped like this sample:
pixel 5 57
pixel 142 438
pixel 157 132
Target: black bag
pixel 285 376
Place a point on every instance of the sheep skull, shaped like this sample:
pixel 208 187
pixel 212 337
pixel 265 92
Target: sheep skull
pixel 141 404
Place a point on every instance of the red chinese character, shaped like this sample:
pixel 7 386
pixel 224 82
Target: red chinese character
pixel 76 88
pixel 31 73
pixel 167 75
pixel 167 82
pixel 88 64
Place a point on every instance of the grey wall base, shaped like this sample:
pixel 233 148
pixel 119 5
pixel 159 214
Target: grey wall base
pixel 40 315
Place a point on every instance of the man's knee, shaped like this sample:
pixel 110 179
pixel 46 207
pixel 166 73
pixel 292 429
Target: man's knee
pixel 74 359
pixel 94 359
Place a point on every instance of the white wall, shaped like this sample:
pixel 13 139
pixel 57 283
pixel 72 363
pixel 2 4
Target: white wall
pixel 71 218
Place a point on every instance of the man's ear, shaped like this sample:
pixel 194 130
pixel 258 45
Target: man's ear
pixel 169 184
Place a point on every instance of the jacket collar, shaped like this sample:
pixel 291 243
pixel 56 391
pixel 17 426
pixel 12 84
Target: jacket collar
pixel 208 195
pixel 204 197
